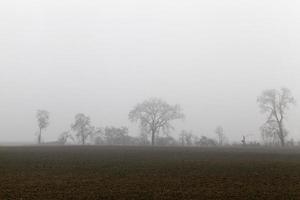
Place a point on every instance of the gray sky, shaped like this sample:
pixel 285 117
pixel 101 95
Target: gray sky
pixel 100 58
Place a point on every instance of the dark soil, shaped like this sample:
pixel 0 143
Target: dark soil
pixel 91 172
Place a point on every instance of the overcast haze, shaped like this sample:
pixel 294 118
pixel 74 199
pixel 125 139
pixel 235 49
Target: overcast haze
pixel 100 58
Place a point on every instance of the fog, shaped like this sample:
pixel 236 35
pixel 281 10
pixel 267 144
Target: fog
pixel 101 58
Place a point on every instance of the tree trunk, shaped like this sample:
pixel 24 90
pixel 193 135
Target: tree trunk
pixel 281 134
pixel 83 140
pixel 40 137
pixel 153 137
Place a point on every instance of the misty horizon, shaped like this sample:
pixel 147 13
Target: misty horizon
pixel 102 58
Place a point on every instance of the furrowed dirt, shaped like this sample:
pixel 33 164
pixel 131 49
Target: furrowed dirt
pixel 169 173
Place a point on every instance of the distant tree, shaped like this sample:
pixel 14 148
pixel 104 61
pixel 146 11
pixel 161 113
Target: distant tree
pixel 275 104
pixel 207 142
pixel 82 127
pixel 116 136
pixel 64 137
pixel 166 141
pixel 253 144
pixel 43 122
pixel 186 138
pixel 98 136
pixel 221 136
pixel 99 141
pixel 154 115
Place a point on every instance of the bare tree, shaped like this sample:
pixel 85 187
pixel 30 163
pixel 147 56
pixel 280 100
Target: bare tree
pixel 166 141
pixel 116 136
pixel 43 122
pixel 221 136
pixel 186 138
pixel 98 136
pixel 154 115
pixel 275 104
pixel 64 137
pixel 82 127
pixel 207 142
pixel 269 133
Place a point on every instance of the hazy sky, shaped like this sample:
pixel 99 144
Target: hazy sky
pixel 100 58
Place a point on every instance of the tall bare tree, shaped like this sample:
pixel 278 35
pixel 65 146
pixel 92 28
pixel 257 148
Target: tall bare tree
pixel 154 115
pixel 82 127
pixel 221 136
pixel 43 122
pixel 275 104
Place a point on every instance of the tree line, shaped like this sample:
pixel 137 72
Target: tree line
pixel 155 116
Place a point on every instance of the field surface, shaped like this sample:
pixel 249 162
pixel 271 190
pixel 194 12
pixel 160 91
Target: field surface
pixel 91 172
